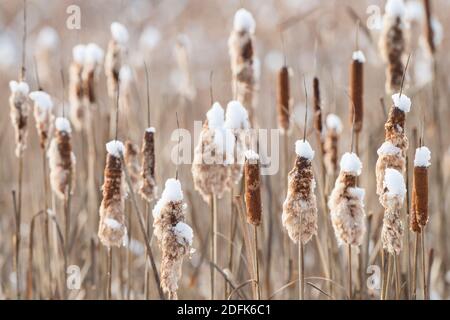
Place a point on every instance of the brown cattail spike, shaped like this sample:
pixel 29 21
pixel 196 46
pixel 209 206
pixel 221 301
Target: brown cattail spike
pixel 283 98
pixel 252 188
pixel 356 90
pixel 317 106
pixel 419 214
pixel 148 188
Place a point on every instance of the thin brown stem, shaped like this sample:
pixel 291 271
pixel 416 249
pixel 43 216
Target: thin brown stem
pixel 257 283
pixel 109 274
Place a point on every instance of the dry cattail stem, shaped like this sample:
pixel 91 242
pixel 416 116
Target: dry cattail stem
pixel 392 44
pixel 241 50
pixel 19 111
pixel 148 188
pixel 132 162
pixel 115 57
pixel 112 230
pixel 61 159
pixel 331 143
pixel 357 90
pixel 43 116
pixel 283 98
pixel 300 207
pixel 419 210
pixel 76 90
pixel 252 188
pixel 429 32
pixel 173 234
pixel 346 203
pixel 209 169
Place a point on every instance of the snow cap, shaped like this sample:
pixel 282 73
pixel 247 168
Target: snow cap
pixel 244 21
pixel 423 157
pixel 21 87
pixel 395 8
pixel 62 124
pixel 394 182
pixel 42 99
pixel 303 149
pixel 184 233
pixel 402 102
pixel 387 148
pixel 236 116
pixel 115 148
pixel 119 33
pixel 333 122
pixel 359 56
pixel 215 116
pixel 350 163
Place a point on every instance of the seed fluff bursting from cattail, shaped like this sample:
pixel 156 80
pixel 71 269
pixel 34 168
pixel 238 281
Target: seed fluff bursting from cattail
pixel 112 230
pixel 300 207
pixel 331 143
pixel 357 90
pixel 148 188
pixel 93 58
pixel 43 116
pixel 419 208
pixel 392 44
pixel 174 235
pixel 241 50
pixel 115 57
pixel 236 120
pixel 131 157
pixel 392 201
pixel 392 152
pixel 19 112
pixel 61 159
pixel 214 152
pixel 346 203
pixel 76 94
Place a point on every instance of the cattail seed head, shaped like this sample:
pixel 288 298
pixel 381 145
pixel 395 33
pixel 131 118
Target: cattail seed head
pixel 356 90
pixel 132 162
pixel 43 115
pixel 283 98
pixel 148 189
pixel 19 111
pixel 112 230
pixel 252 188
pixel 317 106
pixel 300 207
pixel 419 214
pixel 115 57
pixel 92 61
pixel 61 159
pixel 76 90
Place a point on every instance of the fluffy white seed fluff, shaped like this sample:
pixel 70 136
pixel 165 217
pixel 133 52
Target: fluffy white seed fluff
pixel 394 182
pixel 215 116
pixel 395 8
pixel 115 148
pixel 333 122
pixel 48 38
pixel 359 56
pixel 62 124
pixel 184 233
pixel 357 192
pixel 236 116
pixel 42 99
pixel 172 192
pixel 350 163
pixel 93 53
pixel 243 21
pixel 119 33
pixel 422 157
pixel 21 87
pixel 303 149
pixel 112 223
pixel 387 148
pixel 402 102
pixel 251 155
pixel 78 53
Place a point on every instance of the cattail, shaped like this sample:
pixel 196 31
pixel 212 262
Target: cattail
pixel 419 210
pixel 346 203
pixel 112 230
pixel 19 111
pixel 93 57
pixel 125 77
pixel 356 90
pixel 392 153
pixel 174 235
pixel 252 188
pixel 132 162
pixel 115 57
pixel 331 143
pixel 76 92
pixel 392 201
pixel 47 44
pixel 43 115
pixel 241 50
pixel 429 32
pixel 212 154
pixel 283 98
pixel 392 44
pixel 148 189
pixel 236 120
pixel 300 207
pixel 317 106
pixel 61 159
pixel 186 86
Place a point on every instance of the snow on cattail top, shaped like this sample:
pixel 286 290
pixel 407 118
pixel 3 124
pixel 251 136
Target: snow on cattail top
pixel 150 129
pixel 215 116
pixel 394 182
pixel 119 33
pixel 236 116
pixel 184 233
pixel 359 56
pixel 251 155
pixel 149 38
pixel 21 87
pixel 93 53
pixel 172 192
pixel 395 8
pixel 402 102
pixel 244 21
pixel 115 148
pixel 48 38
pixel 423 157
pixel 387 148
pixel 303 149
pixel 42 99
pixel 125 75
pixel 350 163
pixel 62 124
pixel 333 122
pixel 414 11
pixel 78 53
